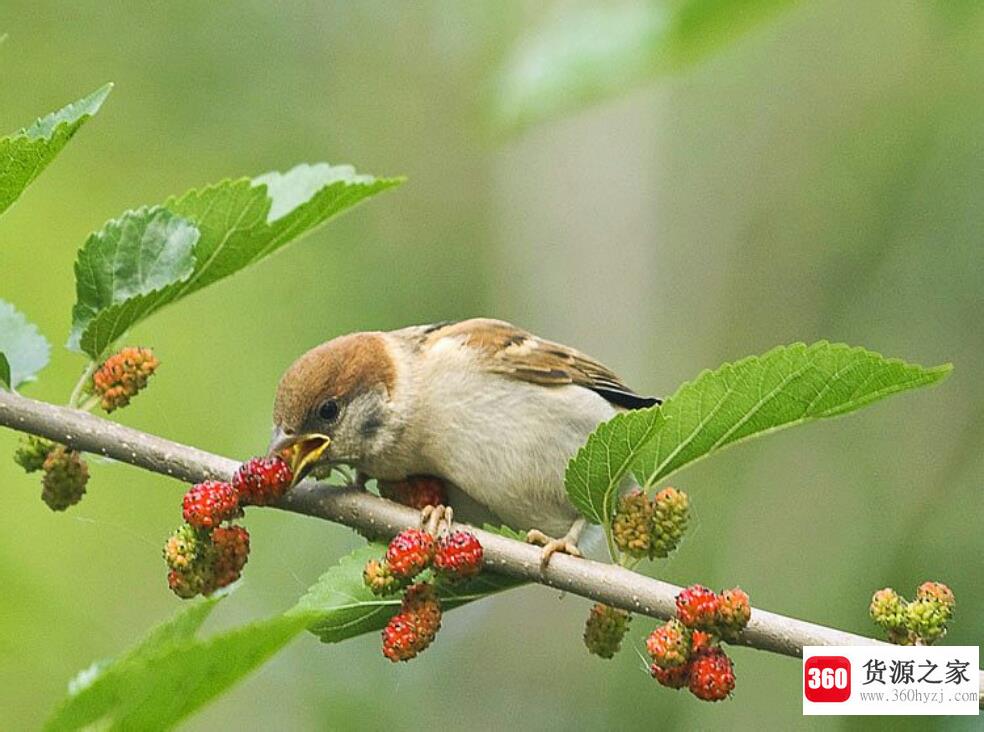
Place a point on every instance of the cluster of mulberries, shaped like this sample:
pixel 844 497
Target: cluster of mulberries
pixel 922 621
pixel 686 650
pixel 65 471
pixel 417 491
pixel 200 561
pixel 413 629
pixel 452 557
pixel 724 614
pixel 122 376
pixel 207 552
pixel 650 528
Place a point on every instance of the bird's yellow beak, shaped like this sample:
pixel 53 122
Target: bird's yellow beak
pixel 300 453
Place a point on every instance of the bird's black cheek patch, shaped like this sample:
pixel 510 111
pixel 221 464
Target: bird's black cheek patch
pixel 371 425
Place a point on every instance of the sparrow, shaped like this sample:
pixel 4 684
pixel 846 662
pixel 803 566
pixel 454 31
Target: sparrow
pixel 492 410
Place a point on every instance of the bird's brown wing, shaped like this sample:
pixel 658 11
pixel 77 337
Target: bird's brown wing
pixel 521 355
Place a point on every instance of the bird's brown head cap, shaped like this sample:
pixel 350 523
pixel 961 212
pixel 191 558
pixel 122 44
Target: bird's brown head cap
pixel 315 393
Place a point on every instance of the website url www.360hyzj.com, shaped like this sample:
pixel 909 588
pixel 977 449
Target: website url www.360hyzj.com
pixel 914 696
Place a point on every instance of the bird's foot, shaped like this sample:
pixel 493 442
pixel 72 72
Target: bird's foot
pixel 564 545
pixel 432 518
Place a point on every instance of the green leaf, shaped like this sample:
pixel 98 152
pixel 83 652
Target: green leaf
pixel 126 271
pixel 589 53
pixel 180 627
pixel 788 385
pixel 600 467
pixel 92 693
pixel 343 607
pixel 156 259
pixel 25 153
pixel 171 674
pixel 23 350
pixel 244 220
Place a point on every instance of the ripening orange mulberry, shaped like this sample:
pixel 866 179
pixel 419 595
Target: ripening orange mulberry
pixel 122 375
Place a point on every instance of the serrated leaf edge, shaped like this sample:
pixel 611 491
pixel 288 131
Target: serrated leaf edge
pixel 930 375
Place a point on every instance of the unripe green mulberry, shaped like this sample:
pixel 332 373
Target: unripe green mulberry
pixel 185 546
pixel 888 610
pixel 671 509
pixel 920 622
pixel 378 577
pixel 187 585
pixel 927 619
pixel 31 452
pixel 190 558
pixel 632 525
pixel 65 476
pixel 604 629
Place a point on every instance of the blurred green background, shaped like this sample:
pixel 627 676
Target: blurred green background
pixel 819 177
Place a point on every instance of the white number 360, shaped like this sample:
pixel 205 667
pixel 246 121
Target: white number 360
pixel 827 678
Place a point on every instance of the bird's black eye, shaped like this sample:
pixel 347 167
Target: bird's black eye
pixel 328 410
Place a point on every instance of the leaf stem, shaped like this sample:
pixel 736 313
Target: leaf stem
pixel 610 540
pixel 78 390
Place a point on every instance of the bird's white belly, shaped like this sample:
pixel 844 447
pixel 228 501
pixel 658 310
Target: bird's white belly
pixel 506 442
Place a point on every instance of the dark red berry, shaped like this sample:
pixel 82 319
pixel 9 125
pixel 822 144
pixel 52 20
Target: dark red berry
pixel 674 678
pixel 231 546
pixel 421 604
pixel 459 555
pixel 210 503
pixel 712 677
pixel 417 491
pixel 400 638
pixel 261 481
pixel 697 607
pixel 410 553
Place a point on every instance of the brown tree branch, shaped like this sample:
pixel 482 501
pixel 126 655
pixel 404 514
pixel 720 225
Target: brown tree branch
pixel 361 510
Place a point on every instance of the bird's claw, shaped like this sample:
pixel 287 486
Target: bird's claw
pixel 432 517
pixel 551 546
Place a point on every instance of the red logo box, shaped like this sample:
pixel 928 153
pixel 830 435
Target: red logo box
pixel 827 679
